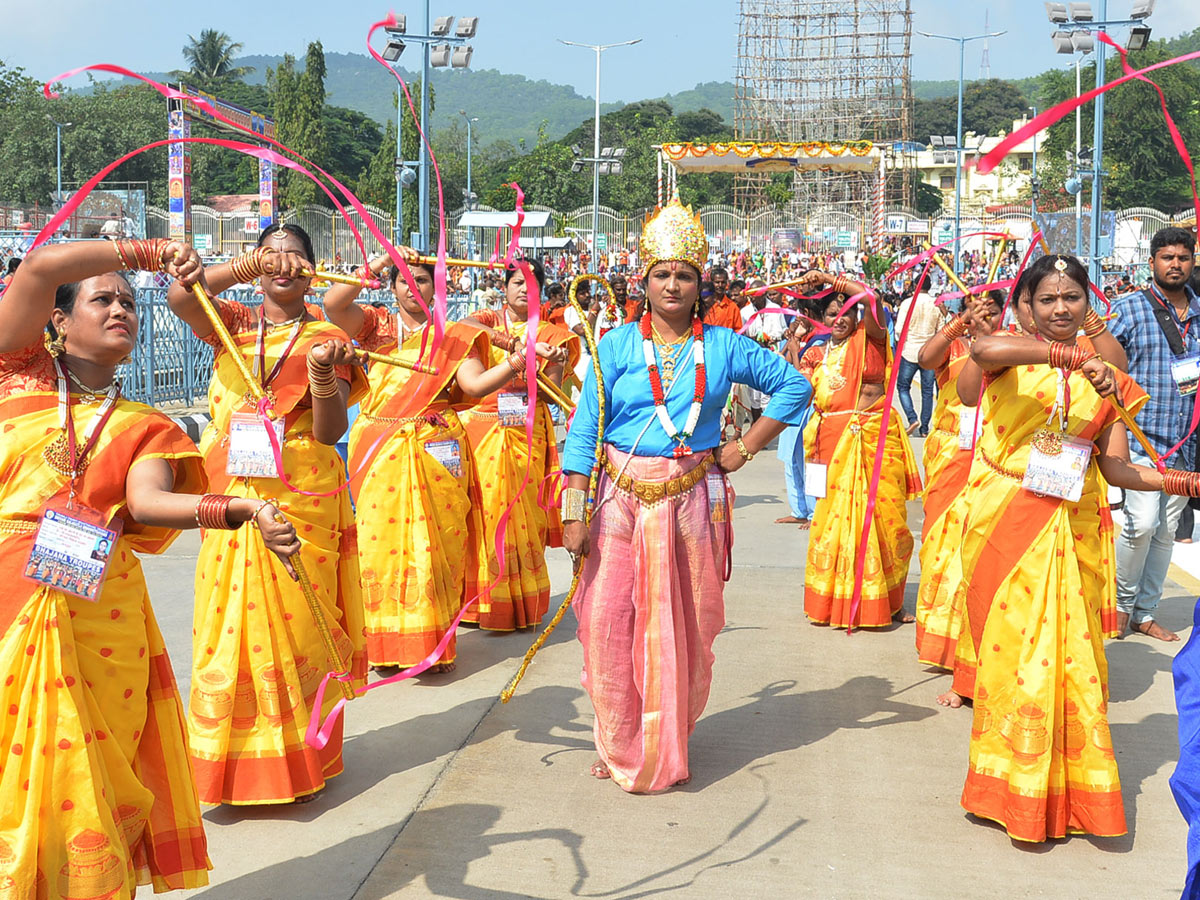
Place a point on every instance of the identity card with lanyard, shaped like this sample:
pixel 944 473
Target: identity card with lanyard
pixel 1185 367
pixel 1058 462
pixel 251 454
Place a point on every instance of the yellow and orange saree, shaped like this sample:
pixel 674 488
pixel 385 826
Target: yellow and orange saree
pixel 521 594
pixel 416 495
pixel 257 656
pixel 1040 602
pixel 846 439
pixel 97 791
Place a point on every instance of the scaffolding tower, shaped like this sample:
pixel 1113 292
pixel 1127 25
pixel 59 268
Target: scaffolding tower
pixel 825 70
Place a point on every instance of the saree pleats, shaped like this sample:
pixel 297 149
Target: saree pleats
pixel 650 604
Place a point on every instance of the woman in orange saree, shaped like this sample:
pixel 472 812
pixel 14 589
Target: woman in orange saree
pixel 258 656
pixel 97 787
pixel 947 461
pixel 496 428
pixel 842 438
pixel 1041 595
pixel 412 464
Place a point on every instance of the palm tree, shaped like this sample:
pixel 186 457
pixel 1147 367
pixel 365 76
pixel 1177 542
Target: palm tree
pixel 210 58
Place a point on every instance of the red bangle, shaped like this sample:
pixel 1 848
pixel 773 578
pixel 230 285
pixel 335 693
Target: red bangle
pixel 212 512
pixel 1093 325
pixel 1067 356
pixel 954 329
pixel 1181 484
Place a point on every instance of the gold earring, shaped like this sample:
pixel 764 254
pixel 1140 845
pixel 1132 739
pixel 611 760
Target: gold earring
pixel 56 347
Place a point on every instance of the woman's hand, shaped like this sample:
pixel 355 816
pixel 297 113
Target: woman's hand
pixel 577 541
pixel 977 318
pixel 183 263
pixel 1101 376
pixel 285 264
pixel 728 457
pixel 334 353
pixel 550 352
pixel 279 535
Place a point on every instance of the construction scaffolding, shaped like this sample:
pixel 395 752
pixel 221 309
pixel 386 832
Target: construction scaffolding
pixel 826 70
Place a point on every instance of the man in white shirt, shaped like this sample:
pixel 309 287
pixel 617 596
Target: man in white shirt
pixel 926 320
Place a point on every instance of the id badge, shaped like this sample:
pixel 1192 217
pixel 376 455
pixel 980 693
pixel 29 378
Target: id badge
pixel 1186 372
pixel 718 500
pixel 71 551
pixel 511 408
pixel 968 434
pixel 250 451
pixel 448 454
pixel 1057 465
pixel 815 475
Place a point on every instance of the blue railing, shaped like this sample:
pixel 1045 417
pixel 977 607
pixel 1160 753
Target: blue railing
pixel 170 365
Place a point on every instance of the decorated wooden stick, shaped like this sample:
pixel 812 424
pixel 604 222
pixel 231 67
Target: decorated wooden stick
pixel 396 361
pixel 958 282
pixel 754 292
pixel 462 263
pixel 554 394
pixel 253 386
pixel 1136 431
pixel 342 278
pixel 995 266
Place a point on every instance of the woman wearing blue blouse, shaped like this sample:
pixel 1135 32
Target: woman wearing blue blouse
pixel 656 554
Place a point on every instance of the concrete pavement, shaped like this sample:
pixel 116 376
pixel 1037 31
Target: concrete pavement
pixel 822 768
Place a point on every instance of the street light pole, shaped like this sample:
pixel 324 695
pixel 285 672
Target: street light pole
pixel 958 147
pixel 467 204
pixel 1095 267
pixel 423 185
pixel 1078 150
pixel 1033 179
pixel 58 126
pixel 598 48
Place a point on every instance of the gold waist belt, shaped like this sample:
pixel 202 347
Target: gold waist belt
pixel 426 419
pixel 651 492
pixel 999 469
pixel 17 526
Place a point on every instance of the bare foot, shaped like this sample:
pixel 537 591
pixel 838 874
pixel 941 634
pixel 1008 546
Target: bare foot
pixel 1150 628
pixel 1122 625
pixel 309 798
pixel 803 526
pixel 600 770
pixel 1183 540
pixel 442 667
pixel 682 781
pixel 913 426
pixel 386 671
pixel 789 520
pixel 950 700
pixel 903 617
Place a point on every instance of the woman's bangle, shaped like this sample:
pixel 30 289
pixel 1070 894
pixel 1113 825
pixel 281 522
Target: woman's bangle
pixel 504 342
pixel 1181 484
pixel 262 504
pixel 1093 325
pixel 954 329
pixel 844 285
pixel 1067 356
pixel 516 362
pixel 143 254
pixel 573 501
pixel 741 448
pixel 250 265
pixel 322 379
pixel 212 512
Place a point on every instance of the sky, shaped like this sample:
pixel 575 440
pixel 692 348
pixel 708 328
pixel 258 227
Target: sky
pixel 683 43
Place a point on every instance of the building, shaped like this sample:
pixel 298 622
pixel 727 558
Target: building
pixel 1007 183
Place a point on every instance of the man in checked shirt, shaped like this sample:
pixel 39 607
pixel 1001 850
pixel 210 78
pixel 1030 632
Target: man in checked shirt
pixel 1159 327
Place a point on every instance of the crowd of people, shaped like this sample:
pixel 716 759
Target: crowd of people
pixel 683 370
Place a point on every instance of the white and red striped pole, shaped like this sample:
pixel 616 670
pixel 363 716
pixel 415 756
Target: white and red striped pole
pixel 877 218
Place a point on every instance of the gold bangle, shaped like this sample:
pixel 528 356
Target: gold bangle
pixel 573 501
pixel 741 448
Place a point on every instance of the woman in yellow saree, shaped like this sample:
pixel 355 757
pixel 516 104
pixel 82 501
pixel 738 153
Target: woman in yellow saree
pixel 496 428
pixel 98 792
pixel 417 498
pixel 842 438
pixel 257 654
pixel 947 461
pixel 1041 595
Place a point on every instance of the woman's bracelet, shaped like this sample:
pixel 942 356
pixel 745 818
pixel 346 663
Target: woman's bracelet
pixel 573 501
pixel 1067 356
pixel 504 342
pixel 1181 484
pixel 145 254
pixel 844 285
pixel 516 362
pixel 322 379
pixel 1093 325
pixel 741 448
pixel 249 266
pixel 212 512
pixel 954 329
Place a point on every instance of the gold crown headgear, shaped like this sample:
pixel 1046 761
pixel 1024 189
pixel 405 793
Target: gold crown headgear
pixel 673 234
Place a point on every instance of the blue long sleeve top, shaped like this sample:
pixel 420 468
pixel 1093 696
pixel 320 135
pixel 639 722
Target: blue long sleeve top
pixel 629 402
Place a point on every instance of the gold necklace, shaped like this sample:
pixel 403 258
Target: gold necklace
pixel 89 394
pixel 273 325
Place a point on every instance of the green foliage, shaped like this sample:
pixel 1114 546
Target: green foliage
pixel 876 265
pixel 298 99
pixel 927 199
pixel 989 107
pixel 210 58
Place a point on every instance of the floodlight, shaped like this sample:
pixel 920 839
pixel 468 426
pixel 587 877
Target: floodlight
pixel 1085 155
pixel 605 152
pixel 1082 42
pixel 1081 12
pixel 1062 42
pixel 439 55
pixel 935 140
pixel 392 50
pixel 1073 185
pixel 467 26
pixel 618 152
pixel 1057 12
pixel 617 167
pixel 1139 37
pixel 399 27
pixel 462 57
pixel 1142 9
pixel 577 150
pixel 577 165
pixel 441 25
pixel 405 175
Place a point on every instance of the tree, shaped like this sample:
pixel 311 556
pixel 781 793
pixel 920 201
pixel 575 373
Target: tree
pixel 210 59
pixel 298 100
pixel 927 199
pixel 989 107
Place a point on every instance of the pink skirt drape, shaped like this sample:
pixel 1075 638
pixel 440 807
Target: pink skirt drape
pixel 650 603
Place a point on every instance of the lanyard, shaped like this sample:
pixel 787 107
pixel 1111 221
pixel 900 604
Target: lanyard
pixel 91 434
pixel 1170 308
pixel 260 348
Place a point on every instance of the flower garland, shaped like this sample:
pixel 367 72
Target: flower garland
pixel 660 402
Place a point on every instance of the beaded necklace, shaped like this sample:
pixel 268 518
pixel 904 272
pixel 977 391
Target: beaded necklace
pixel 656 385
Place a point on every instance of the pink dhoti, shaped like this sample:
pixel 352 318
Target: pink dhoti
pixel 650 603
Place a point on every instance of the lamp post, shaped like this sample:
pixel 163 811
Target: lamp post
pixel 58 126
pixel 958 147
pixel 1074 28
pixel 1034 184
pixel 470 197
pixel 598 48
